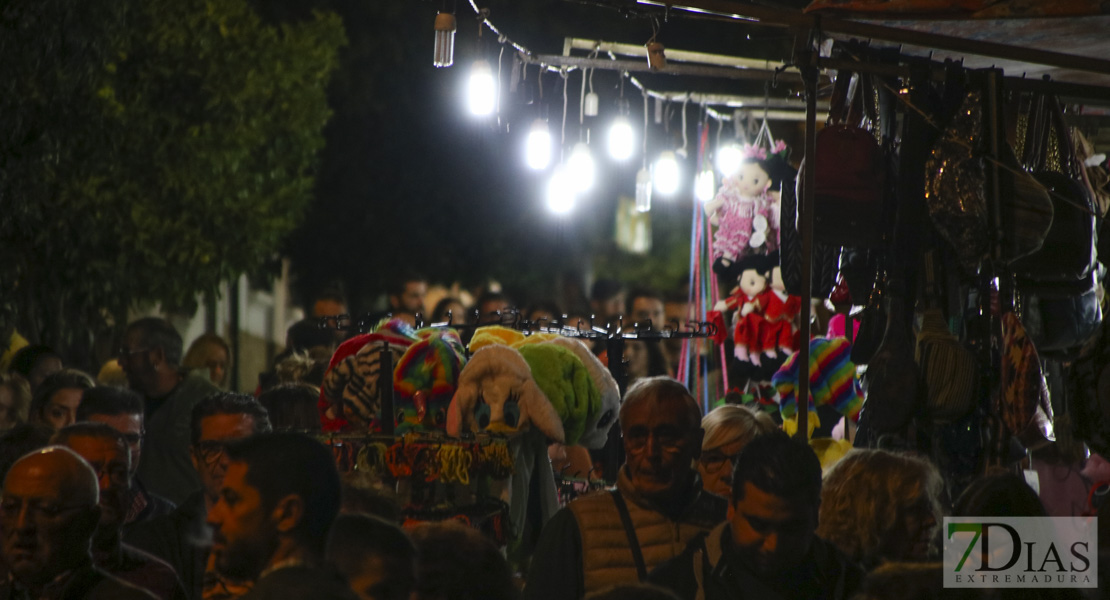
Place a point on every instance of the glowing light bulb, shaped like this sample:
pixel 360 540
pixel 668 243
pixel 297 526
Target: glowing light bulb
pixel 666 175
pixel 704 188
pixel 728 159
pixel 580 166
pixel 481 90
pixel 560 191
pixel 643 190
pixel 621 139
pixel 537 148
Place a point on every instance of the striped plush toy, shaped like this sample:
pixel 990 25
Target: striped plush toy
pixel 832 379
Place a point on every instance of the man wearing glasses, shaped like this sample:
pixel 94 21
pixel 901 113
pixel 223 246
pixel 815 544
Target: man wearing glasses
pixel 105 449
pixel 657 507
pixel 48 513
pixel 150 356
pixel 182 538
pixel 122 410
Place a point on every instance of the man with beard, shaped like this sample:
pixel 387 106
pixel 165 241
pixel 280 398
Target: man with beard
pixel 768 548
pixel 600 540
pixel 48 514
pixel 105 449
pixel 181 538
pixel 279 497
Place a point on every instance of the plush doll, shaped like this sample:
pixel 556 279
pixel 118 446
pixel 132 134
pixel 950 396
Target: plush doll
pixel 780 312
pixel 496 392
pixel 424 381
pixel 493 335
pixel 349 394
pixel 832 381
pixel 597 426
pixel 567 384
pixel 745 213
pixel 749 300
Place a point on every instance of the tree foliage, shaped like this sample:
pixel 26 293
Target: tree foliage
pixel 149 149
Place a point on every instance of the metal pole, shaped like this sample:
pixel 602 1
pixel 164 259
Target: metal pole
pixel 805 223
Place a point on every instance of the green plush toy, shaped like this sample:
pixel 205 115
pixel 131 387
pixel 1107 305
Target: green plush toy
pixel 567 384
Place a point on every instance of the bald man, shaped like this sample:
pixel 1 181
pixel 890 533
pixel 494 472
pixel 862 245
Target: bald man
pixel 48 514
pixel 600 540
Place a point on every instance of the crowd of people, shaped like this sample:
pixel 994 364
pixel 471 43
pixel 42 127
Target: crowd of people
pixel 161 484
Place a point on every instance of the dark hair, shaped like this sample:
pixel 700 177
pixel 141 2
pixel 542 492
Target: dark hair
pixel 354 538
pixel 159 333
pixel 292 407
pixel 55 382
pixel 19 441
pixel 999 495
pixel 24 360
pixel 451 558
pixel 283 464
pixel 330 293
pixel 305 335
pixel 547 306
pixel 398 286
pixel 110 401
pixel 604 289
pixel 229 403
pixel 487 297
pixel 634 591
pixel 20 392
pixel 642 292
pixel 781 466
pixel 439 313
pixel 93 430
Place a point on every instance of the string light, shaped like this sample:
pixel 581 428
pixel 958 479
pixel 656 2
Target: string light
pixel 580 166
pixel 666 175
pixel 704 186
pixel 481 90
pixel 537 148
pixel 560 191
pixel 445 40
pixel 622 139
pixel 729 157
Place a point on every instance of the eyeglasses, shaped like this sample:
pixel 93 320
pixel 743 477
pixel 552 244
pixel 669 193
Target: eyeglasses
pixel 37 510
pixel 714 460
pixel 210 451
pixel 124 353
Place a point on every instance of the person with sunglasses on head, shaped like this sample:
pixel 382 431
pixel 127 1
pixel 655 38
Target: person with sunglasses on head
pixel 150 355
pixel 105 449
pixel 181 538
pixel 122 410
pixel 49 511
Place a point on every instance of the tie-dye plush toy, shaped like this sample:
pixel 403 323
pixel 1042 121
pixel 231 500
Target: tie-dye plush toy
pixel 425 379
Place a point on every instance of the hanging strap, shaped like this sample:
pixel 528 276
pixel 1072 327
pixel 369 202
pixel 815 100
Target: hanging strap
pixel 630 531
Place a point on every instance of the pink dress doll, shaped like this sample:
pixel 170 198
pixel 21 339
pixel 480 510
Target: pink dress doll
pixel 745 213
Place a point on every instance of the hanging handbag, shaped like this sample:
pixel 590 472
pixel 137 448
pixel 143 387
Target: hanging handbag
pixel 892 380
pixel 850 171
pixel 872 324
pixel 826 257
pixel 1068 253
pixel 1062 319
pixel 1023 391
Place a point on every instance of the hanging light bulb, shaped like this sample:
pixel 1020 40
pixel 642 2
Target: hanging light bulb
pixel 665 175
pixel 445 40
pixel 560 191
pixel 704 188
pixel 621 139
pixel 580 166
pixel 643 190
pixel 537 148
pixel 729 158
pixel 481 90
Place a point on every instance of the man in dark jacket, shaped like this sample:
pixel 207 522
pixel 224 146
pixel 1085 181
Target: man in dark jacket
pixel 279 497
pixel 181 538
pixel 767 549
pixel 48 515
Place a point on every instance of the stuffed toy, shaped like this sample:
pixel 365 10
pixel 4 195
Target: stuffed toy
pixel 536 338
pixel 424 381
pixel 494 334
pixel 832 380
pixel 565 381
pixel 349 394
pixel 749 300
pixel 747 216
pixel 496 392
pixel 597 426
pixel 780 311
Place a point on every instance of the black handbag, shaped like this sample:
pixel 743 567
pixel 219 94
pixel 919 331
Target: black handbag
pixel 826 257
